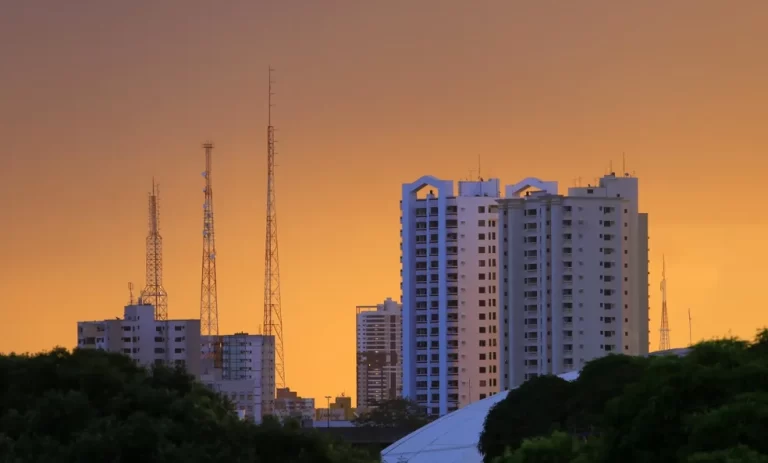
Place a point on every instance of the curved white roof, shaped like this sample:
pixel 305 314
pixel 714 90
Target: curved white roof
pixel 450 439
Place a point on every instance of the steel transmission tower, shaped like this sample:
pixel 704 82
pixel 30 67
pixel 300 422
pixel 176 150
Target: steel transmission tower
pixel 273 318
pixel 153 292
pixel 664 343
pixel 209 309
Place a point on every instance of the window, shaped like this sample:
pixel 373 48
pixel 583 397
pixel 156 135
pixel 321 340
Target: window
pixel 482 370
pixel 481 249
pixel 481 223
pixel 481 236
pixel 481 316
pixel 481 209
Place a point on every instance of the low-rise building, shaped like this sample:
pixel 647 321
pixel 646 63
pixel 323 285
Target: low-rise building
pixel 144 339
pixel 289 405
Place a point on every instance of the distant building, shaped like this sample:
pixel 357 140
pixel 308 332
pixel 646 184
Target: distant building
pixel 242 368
pixel 379 353
pixel 289 405
pixel 144 339
pixel 575 273
pixel 340 410
pixel 449 292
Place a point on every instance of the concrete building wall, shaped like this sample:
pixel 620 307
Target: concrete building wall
pixel 574 274
pixel 379 353
pixel 142 338
pixel 439 286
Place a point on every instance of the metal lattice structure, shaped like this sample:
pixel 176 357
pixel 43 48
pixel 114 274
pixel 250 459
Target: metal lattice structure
pixel 153 292
pixel 273 317
pixel 664 343
pixel 209 309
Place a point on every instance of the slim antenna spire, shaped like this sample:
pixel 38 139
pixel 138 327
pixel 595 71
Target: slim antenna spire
pixel 664 342
pixel 130 292
pixel 273 317
pixel 623 164
pixel 690 329
pixel 479 175
pixel 209 308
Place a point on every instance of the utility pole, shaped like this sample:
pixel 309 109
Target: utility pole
pixel 328 398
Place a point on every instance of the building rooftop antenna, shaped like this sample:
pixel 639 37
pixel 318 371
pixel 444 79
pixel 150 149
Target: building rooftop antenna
pixel 130 293
pixel 273 314
pixel 690 329
pixel 664 342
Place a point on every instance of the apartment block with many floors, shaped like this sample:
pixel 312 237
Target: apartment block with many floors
pixel 243 369
pixel 574 276
pixel 449 292
pixel 144 339
pixel 379 353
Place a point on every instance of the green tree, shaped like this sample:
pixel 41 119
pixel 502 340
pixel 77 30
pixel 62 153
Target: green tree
pixel 537 408
pixel 557 448
pixel 91 406
pixel 394 413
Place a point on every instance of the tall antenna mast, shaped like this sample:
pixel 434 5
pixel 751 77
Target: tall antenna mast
pixel 273 317
pixel 130 292
pixel 209 309
pixel 690 328
pixel 153 292
pixel 479 175
pixel 664 343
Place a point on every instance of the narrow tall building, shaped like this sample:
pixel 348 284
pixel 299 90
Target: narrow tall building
pixel 575 276
pixel 140 336
pixel 379 353
pixel 449 292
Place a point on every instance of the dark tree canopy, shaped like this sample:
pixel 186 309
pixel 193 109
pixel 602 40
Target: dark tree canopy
pixel 394 413
pixel 91 406
pixel 709 406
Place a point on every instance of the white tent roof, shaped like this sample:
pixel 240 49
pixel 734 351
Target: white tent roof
pixel 450 439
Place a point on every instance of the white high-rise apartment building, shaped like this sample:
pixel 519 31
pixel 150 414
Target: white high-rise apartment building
pixel 574 276
pixel 449 292
pixel 144 339
pixel 379 353
pixel 243 371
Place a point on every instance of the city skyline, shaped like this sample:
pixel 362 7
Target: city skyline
pixel 89 122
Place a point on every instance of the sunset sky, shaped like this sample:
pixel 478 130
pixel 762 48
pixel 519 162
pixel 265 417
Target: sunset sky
pixel 99 96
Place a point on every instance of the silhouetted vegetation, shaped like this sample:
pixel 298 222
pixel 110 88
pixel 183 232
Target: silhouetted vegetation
pixel 395 413
pixel 91 406
pixel 709 406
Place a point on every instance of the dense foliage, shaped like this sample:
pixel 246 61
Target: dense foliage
pixel 394 413
pixel 708 406
pixel 91 406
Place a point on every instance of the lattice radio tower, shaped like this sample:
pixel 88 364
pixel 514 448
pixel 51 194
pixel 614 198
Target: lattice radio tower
pixel 209 309
pixel 273 318
pixel 153 292
pixel 664 343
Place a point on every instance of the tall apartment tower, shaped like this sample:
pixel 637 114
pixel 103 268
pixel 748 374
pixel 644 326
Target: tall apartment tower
pixel 379 353
pixel 574 276
pixel 449 292
pixel 140 336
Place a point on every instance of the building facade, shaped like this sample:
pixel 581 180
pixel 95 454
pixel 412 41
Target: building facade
pixel 242 367
pixel 574 276
pixel 449 292
pixel 144 339
pixel 379 353
pixel 289 405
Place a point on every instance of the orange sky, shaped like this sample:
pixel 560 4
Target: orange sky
pixel 97 97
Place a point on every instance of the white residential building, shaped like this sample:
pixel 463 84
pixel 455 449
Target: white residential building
pixel 243 369
pixel 144 339
pixel 379 353
pixel 574 276
pixel 449 292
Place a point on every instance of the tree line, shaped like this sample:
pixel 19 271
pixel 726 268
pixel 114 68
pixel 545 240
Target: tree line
pixel 93 406
pixel 709 406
